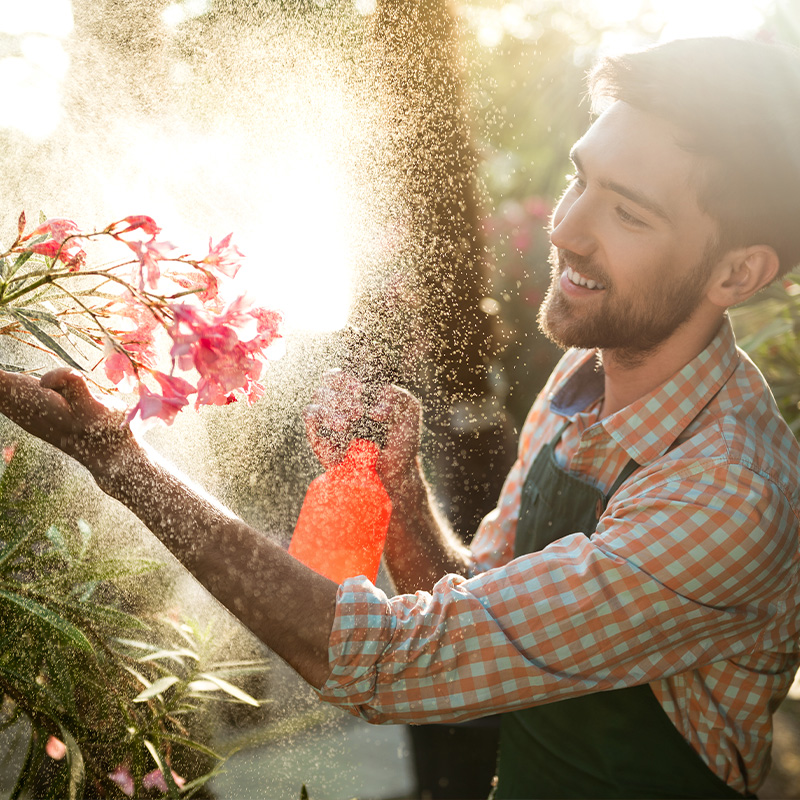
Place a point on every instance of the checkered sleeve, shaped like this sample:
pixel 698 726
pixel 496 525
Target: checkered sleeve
pixel 686 568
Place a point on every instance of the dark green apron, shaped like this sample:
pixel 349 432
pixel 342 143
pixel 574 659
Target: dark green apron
pixel 612 744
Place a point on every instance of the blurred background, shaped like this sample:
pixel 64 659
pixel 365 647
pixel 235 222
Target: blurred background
pixel 387 164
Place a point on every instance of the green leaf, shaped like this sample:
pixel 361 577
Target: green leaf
pixel 85 531
pixel 112 569
pixel 21 259
pixel 163 765
pixel 64 628
pixel 139 677
pixel 770 330
pixel 155 688
pixel 48 341
pixel 178 654
pixel 61 683
pixel 38 315
pixel 230 689
pixel 30 768
pixel 57 539
pixel 191 744
pixel 138 644
pixel 191 787
pixel 13 546
pixel 239 668
pixel 77 773
pixel 99 614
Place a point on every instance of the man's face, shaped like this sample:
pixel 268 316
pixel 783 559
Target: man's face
pixel 632 250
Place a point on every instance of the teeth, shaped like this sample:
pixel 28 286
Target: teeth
pixel 580 280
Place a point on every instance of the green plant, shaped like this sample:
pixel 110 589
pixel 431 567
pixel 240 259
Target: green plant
pixel 769 331
pixel 113 700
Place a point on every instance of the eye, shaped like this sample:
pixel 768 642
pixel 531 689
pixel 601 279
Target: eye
pixel 575 181
pixel 629 219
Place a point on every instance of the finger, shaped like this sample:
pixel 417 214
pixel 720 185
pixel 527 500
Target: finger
pixel 342 383
pixel 30 405
pixel 394 404
pixel 329 449
pixel 327 421
pixel 337 402
pixel 72 386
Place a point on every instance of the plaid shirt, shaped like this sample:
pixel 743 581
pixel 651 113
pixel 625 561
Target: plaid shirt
pixel 690 582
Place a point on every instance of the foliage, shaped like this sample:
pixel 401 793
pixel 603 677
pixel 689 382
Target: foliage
pixel 527 81
pixel 52 300
pixel 527 65
pixel 769 330
pixel 112 699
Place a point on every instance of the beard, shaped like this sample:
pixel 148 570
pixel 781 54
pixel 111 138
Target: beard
pixel 632 325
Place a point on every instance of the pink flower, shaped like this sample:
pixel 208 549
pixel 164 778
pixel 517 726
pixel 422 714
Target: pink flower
pixel 211 345
pixel 62 242
pixel 204 284
pixel 155 780
pixel 55 748
pixel 163 406
pixel 224 256
pixel 56 228
pixel 255 391
pixel 8 452
pixel 537 207
pixel 119 369
pixel 123 778
pixel 147 224
pixel 134 331
pixel 267 323
pixel 149 252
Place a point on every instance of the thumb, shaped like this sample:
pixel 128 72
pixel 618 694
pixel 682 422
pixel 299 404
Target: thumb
pixel 73 388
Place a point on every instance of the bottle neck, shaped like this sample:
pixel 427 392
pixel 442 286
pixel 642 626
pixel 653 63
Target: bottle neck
pixel 362 453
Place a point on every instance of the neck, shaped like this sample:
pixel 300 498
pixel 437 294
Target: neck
pixel 628 379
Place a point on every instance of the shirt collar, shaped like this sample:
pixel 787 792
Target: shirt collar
pixel 647 428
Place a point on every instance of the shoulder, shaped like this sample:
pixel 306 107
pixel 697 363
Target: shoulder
pixel 742 428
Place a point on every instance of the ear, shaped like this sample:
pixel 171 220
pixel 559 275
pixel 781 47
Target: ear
pixel 741 273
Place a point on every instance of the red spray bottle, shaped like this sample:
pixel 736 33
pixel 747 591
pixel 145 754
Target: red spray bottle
pixel 342 527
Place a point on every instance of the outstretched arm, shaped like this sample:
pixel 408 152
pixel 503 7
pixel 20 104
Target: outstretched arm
pixel 420 548
pixel 285 604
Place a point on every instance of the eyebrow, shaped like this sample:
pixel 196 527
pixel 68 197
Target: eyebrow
pixel 632 194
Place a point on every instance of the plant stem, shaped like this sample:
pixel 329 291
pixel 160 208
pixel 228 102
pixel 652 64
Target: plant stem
pixel 10 298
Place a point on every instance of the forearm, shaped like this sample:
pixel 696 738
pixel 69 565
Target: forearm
pixel 285 604
pixel 420 547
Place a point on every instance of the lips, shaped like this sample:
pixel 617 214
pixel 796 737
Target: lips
pixel 581 280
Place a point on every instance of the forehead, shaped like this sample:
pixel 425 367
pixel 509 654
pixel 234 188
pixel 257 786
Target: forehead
pixel 640 151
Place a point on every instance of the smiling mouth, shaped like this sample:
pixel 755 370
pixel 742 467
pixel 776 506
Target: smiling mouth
pixel 581 280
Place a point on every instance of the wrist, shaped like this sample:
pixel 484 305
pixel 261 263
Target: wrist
pixel 113 468
pixel 406 488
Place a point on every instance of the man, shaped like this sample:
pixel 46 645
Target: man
pixel 633 600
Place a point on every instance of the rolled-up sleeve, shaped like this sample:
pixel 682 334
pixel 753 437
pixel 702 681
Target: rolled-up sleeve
pixel 694 570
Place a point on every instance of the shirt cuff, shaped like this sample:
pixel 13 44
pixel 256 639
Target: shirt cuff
pixel 362 629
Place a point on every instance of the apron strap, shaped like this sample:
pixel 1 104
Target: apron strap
pixel 627 471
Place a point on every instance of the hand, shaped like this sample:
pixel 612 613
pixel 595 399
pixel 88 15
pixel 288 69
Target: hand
pixel 60 410
pixel 338 403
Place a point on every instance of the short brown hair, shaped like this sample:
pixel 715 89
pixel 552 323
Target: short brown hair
pixel 738 104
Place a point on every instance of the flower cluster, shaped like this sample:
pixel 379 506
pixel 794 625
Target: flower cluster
pixel 217 349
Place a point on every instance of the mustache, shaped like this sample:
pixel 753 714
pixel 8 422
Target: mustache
pixel 560 259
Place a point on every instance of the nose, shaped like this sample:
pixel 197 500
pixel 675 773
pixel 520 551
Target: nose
pixel 572 227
